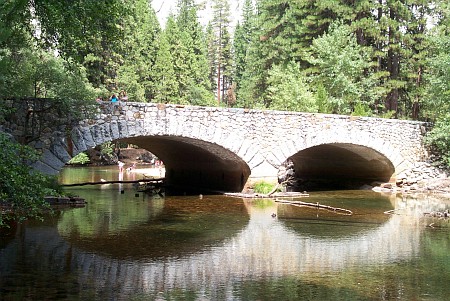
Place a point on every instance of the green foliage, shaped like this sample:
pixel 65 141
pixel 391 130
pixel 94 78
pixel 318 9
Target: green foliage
pixel 31 72
pixel 361 109
pixel 437 99
pixel 342 68
pixel 139 51
pixel 87 32
pixel 22 189
pixel 263 187
pixel 220 47
pixel 288 91
pixel 81 158
pixel 322 99
pixel 107 149
pixel 439 138
pixel 388 114
pixel 199 96
pixel 166 84
pixel 242 38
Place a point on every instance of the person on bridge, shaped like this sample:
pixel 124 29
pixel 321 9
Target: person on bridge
pixel 114 100
pixel 123 96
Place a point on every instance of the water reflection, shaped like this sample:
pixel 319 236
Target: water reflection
pixel 146 228
pixel 121 247
pixel 264 248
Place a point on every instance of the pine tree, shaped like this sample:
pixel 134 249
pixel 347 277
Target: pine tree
pixel 220 25
pixel 138 49
pixel 194 39
pixel 165 82
pixel 352 84
pixel 241 42
pixel 179 49
pixel 212 56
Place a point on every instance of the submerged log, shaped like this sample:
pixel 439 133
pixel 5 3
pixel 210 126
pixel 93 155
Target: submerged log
pixel 72 201
pixel 316 205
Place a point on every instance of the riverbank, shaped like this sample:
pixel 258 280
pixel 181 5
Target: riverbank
pixel 436 186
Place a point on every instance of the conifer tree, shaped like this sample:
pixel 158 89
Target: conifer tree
pixel 352 84
pixel 179 49
pixel 212 56
pixel 220 25
pixel 242 39
pixel 197 62
pixel 165 82
pixel 138 49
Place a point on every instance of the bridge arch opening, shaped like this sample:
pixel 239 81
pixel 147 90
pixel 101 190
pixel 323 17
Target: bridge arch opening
pixel 196 165
pixel 337 166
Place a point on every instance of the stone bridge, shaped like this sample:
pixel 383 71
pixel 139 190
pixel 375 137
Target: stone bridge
pixel 223 148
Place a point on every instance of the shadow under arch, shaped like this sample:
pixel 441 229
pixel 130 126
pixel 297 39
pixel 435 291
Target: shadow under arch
pixel 339 166
pixel 194 164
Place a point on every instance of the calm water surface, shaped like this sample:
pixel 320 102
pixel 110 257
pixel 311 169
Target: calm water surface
pixel 123 246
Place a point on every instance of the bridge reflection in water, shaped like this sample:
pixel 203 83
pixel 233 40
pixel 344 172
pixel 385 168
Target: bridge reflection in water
pixel 266 247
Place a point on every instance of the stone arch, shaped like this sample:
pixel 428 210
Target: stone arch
pixel 196 164
pixel 342 155
pixel 225 152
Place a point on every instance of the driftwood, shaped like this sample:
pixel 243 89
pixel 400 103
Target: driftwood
pixel 316 205
pixel 267 196
pixel 159 181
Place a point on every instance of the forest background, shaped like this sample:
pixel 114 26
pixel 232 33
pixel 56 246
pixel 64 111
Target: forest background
pixel 381 58
pixel 386 58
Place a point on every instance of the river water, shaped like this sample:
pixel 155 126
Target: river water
pixel 125 245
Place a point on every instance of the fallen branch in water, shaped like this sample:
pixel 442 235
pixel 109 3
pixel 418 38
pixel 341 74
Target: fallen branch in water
pixel 267 196
pixel 316 205
pixel 159 180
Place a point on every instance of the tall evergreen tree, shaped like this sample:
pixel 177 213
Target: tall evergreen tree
pixel 165 84
pixel 138 50
pixel 283 35
pixel 241 42
pixel 212 56
pixel 179 49
pixel 197 64
pixel 437 72
pixel 221 25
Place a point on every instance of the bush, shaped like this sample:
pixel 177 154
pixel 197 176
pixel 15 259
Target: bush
pixel 22 189
pixel 81 158
pixel 439 138
pixel 263 187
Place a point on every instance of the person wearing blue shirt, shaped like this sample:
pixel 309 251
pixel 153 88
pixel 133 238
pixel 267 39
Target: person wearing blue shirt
pixel 114 98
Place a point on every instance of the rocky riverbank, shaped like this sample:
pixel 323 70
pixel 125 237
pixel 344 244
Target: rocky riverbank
pixel 126 155
pixel 423 177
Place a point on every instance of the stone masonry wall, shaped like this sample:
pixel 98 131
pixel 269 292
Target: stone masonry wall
pixel 263 139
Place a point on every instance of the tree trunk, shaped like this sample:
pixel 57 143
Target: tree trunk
pixel 416 104
pixel 393 65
